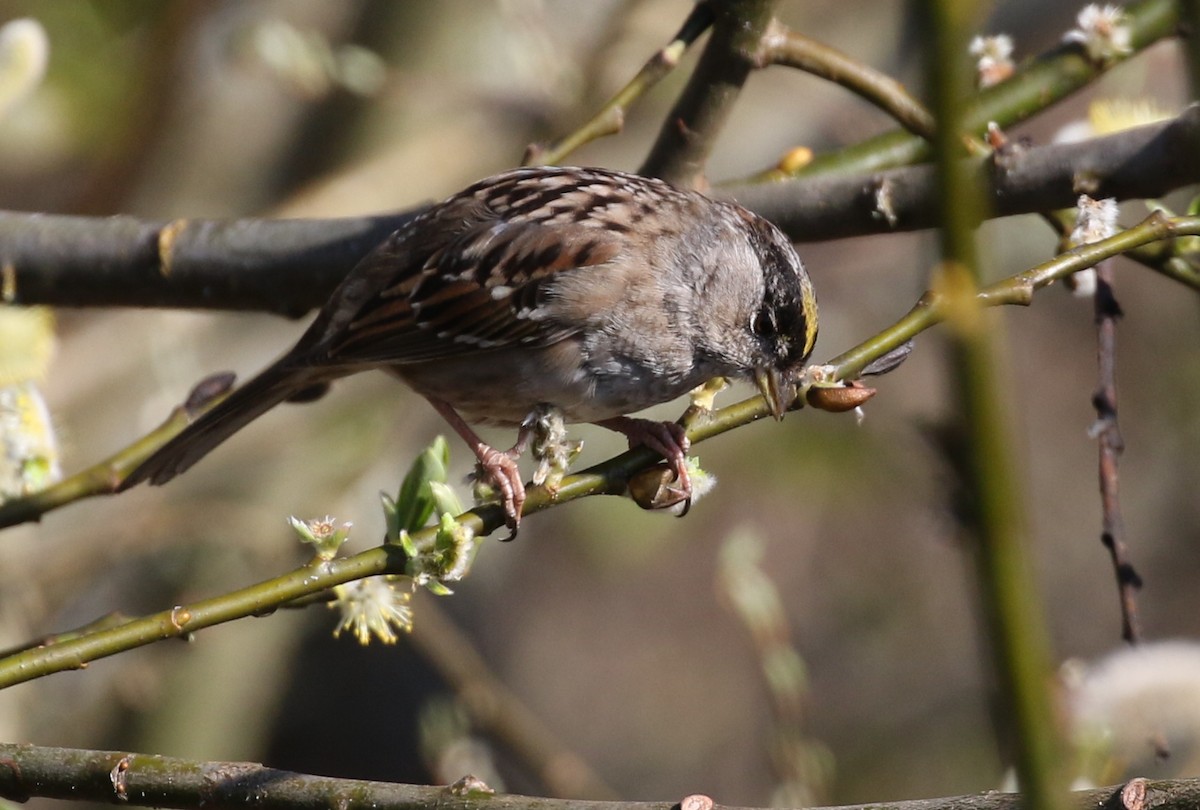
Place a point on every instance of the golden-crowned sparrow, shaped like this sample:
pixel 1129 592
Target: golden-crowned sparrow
pixel 595 292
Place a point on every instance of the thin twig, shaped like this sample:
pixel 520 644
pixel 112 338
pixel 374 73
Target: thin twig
pixel 782 46
pixel 1108 436
pixel 610 119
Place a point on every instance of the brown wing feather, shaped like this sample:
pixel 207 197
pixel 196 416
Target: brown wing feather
pixel 456 302
pixel 472 272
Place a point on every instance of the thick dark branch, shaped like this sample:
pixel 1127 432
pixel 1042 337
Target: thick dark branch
pixel 283 266
pixel 1145 162
pixel 693 124
pixel 142 780
pixel 288 267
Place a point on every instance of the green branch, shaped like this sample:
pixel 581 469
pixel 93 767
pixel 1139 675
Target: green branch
pixel 981 444
pixel 1036 85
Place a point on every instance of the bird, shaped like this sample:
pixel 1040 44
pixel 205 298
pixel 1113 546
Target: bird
pixel 593 292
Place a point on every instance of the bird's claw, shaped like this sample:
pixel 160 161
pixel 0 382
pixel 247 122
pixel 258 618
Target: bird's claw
pixel 668 439
pixel 500 468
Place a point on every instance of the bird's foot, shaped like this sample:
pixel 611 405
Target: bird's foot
pixel 499 468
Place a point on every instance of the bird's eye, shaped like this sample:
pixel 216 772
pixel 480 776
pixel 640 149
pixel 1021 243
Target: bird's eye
pixel 762 323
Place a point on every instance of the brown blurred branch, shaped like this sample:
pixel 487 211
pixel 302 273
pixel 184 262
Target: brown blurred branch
pixel 496 711
pixel 1111 445
pixel 143 780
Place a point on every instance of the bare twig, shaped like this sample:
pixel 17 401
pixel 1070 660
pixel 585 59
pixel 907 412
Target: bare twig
pixel 1108 436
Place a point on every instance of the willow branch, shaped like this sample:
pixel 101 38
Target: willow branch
pixel 788 48
pixel 1010 604
pixel 288 267
pixel 1035 86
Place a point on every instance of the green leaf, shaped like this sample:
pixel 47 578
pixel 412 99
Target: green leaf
pixel 415 503
pixel 445 500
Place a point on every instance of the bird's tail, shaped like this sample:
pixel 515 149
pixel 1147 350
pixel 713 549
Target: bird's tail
pixel 274 385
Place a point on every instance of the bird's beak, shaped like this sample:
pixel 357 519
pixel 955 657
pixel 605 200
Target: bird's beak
pixel 777 389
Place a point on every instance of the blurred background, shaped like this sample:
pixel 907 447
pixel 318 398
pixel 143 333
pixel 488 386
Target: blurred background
pixel 616 629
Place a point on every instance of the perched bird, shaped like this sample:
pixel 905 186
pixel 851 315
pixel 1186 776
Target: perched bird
pixel 594 292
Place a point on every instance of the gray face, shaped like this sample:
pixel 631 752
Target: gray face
pixel 754 303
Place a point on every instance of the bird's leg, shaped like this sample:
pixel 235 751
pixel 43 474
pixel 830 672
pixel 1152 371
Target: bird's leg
pixel 666 438
pixel 500 466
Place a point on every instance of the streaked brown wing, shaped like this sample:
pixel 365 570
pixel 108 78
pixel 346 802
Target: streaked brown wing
pixel 483 288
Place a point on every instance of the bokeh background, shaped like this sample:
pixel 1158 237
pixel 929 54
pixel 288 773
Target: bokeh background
pixel 610 625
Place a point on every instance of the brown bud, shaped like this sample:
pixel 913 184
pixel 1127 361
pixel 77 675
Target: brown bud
pixel 655 488
pixel 210 388
pixel 839 398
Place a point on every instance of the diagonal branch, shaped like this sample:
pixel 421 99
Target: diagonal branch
pixel 610 119
pixel 782 46
pixel 693 124
pixel 1037 85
